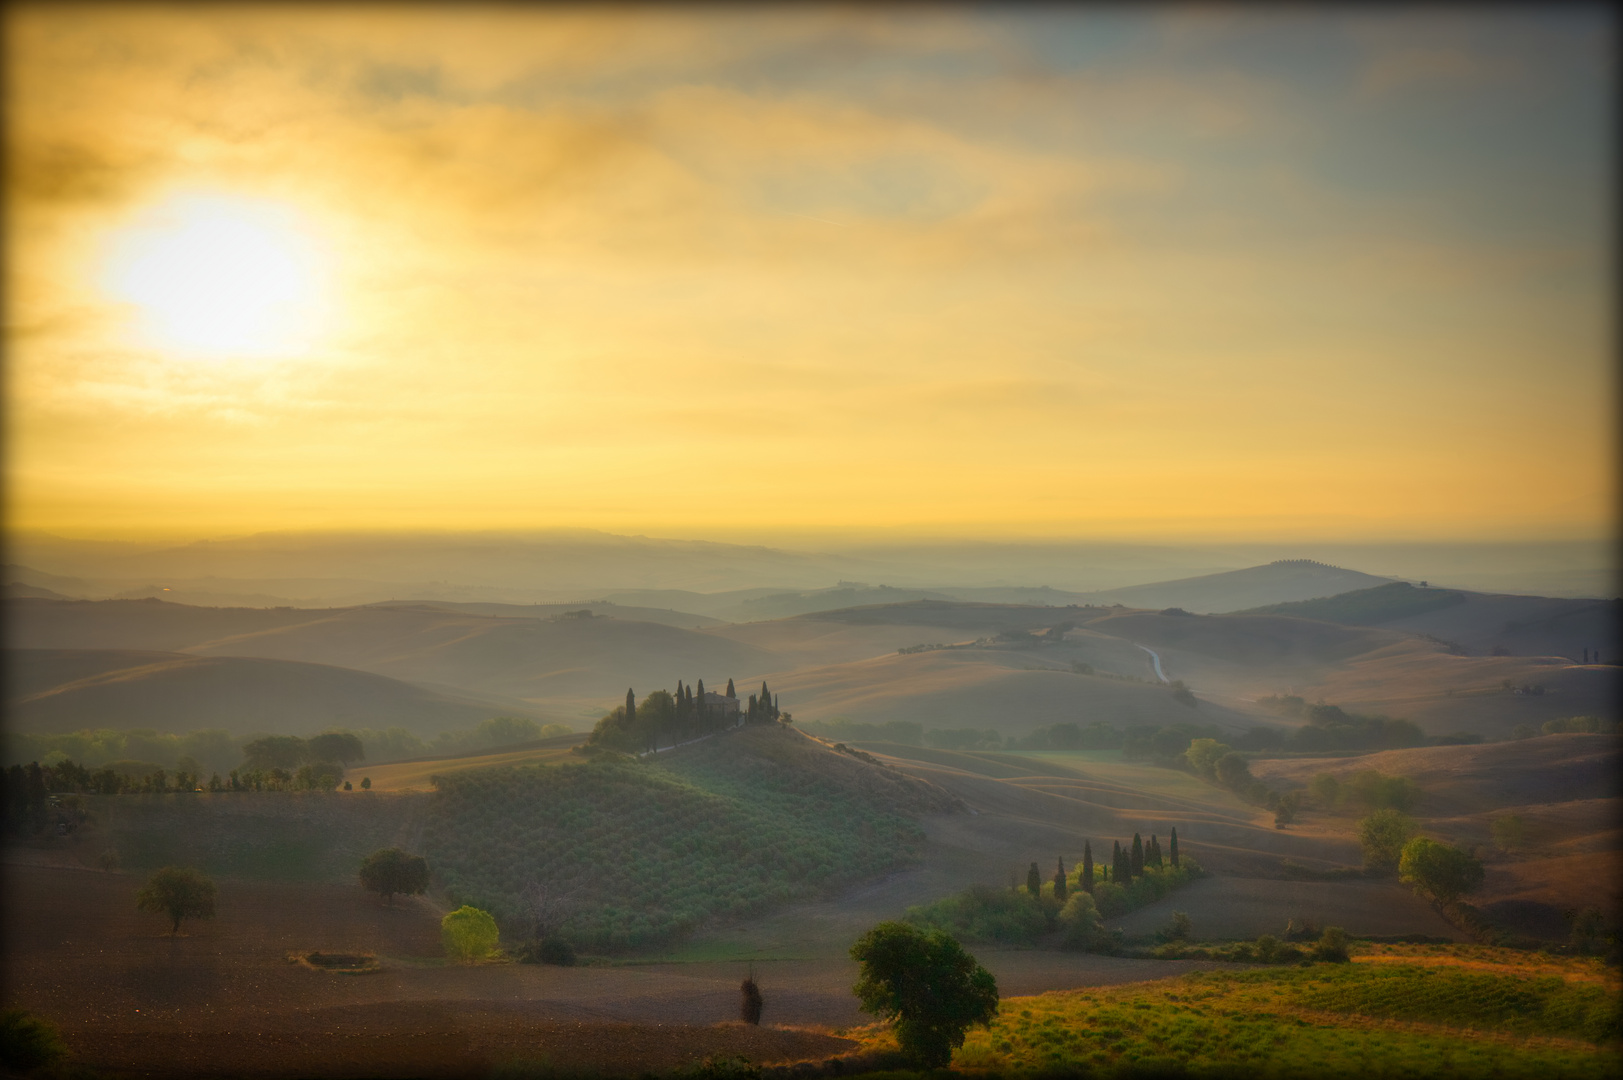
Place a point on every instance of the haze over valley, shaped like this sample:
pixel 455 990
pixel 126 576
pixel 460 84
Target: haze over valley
pixel 762 543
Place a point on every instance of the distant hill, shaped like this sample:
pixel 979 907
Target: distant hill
pixel 1477 623
pixel 588 659
pixel 958 613
pixel 17 589
pixel 598 608
pixel 1251 640
pixel 177 693
pixel 1366 607
pixel 1235 590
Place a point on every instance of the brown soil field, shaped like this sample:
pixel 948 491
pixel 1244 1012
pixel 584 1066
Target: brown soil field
pixel 1228 907
pixel 1567 789
pixel 223 998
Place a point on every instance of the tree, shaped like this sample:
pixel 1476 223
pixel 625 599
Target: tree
pixel 389 870
pixel 1172 845
pixel 1443 872
pixel 28 1042
pixel 366 783
pixel 1152 855
pixel 1137 866
pixel 730 691
pixel 1059 882
pixel 631 706
pixel 926 983
pixel 1202 756
pixel 276 752
pixel 1383 835
pixel 750 1000
pixel 178 892
pixel 1233 770
pixel 339 747
pixel 469 934
pixel 1080 920
pixel 1034 881
pixel 1087 867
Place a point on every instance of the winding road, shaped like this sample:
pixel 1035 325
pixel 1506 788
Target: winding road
pixel 1156 658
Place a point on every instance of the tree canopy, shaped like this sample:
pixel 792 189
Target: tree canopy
pixel 926 983
pixel 469 934
pixel 178 892
pixel 390 870
pixel 1443 872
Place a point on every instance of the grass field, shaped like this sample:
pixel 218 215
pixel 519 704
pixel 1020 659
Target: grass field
pixel 1395 1011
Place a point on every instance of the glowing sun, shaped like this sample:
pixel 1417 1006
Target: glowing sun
pixel 220 276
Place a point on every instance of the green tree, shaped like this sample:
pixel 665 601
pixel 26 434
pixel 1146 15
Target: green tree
pixel 1034 881
pixel 1084 929
pixel 750 1001
pixel 366 783
pixel 1059 882
pixel 927 984
pixel 1137 865
pixel 390 870
pixel 1152 855
pixel 337 747
pixel 1086 879
pixel 1203 754
pixel 1441 871
pixel 178 892
pixel 276 752
pixel 1233 770
pixel 1382 836
pixel 469 934
pixel 1172 846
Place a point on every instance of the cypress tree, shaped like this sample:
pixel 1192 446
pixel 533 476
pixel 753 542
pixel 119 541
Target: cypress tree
pixel 1034 881
pixel 698 698
pixel 1086 880
pixel 1123 868
pixel 1059 882
pixel 1154 854
pixel 730 691
pixel 1172 846
pixel 1138 855
pixel 749 1009
pixel 631 706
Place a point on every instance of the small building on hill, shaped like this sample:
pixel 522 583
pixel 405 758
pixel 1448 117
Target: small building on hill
pixel 720 704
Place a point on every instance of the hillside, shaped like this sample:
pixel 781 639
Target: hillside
pixel 1257 641
pixel 1565 790
pixel 177 693
pixel 573 665
pixel 598 608
pixel 1366 607
pixel 1235 590
pixel 1477 623
pixel 1010 691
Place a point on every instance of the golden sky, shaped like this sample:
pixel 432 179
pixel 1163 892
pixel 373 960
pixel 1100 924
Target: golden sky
pixel 1154 272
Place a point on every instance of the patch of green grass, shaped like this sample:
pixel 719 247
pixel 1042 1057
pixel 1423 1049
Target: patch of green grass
pixel 1329 1020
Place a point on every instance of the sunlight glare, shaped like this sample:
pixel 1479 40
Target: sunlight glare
pixel 220 277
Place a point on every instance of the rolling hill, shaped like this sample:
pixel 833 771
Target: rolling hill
pixel 1235 590
pixel 175 692
pixel 1478 623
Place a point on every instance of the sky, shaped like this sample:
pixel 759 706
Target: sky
pixel 1152 271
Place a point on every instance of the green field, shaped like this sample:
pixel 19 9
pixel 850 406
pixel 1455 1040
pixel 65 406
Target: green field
pixel 1418 1011
pixel 650 851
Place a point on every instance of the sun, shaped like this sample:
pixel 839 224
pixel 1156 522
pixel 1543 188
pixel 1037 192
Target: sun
pixel 219 276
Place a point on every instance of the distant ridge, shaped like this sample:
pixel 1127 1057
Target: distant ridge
pixel 1280 582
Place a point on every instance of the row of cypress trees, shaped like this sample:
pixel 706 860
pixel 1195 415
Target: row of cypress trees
pixel 1126 863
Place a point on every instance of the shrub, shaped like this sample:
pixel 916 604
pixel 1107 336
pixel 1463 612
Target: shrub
pixel 1083 927
pixel 27 1042
pixel 1332 947
pixel 469 934
pixel 1382 836
pixel 985 913
pixel 1177 929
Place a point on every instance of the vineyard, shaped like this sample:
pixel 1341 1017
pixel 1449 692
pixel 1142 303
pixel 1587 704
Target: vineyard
pixel 646 851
